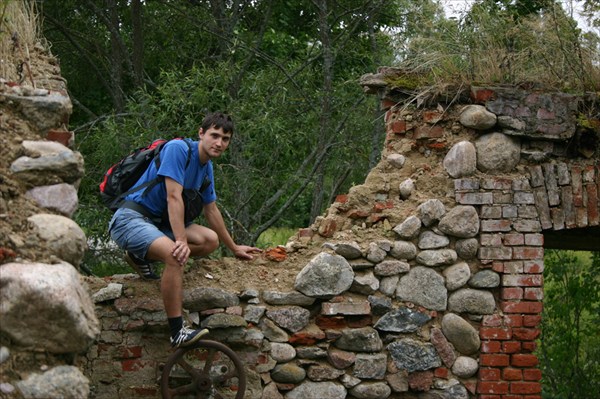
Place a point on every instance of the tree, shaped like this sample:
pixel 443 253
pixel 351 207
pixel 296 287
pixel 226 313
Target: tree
pixel 287 76
pixel 569 346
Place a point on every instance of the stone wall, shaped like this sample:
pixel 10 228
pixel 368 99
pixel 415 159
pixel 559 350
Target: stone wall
pixel 424 282
pixel 46 314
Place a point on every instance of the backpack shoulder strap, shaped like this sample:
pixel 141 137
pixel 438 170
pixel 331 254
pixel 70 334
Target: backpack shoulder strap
pixel 151 183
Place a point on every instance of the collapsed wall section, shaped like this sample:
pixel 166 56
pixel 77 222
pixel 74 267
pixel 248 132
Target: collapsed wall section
pixel 424 282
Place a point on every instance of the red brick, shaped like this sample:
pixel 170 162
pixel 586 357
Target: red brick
pixel 305 232
pixel 512 293
pixel 440 372
pixel 513 267
pixel 374 218
pixel 492 320
pixel 528 253
pixel 514 239
pixel 60 136
pixel 342 198
pixel 512 397
pixel 534 294
pixel 533 266
pixel 532 320
pixel 471 385
pixel 592 204
pixel 495 333
pixel 498 267
pixel 512 374
pixel 489 397
pixel 495 360
pixel 307 338
pixel 525 387
pixel 428 132
pixel 513 320
pixel 521 307
pixel 526 334
pixel 491 347
pixel 359 321
pixel 327 228
pixel 327 322
pixel 511 347
pixel 582 217
pixel 534 239
pixel 131 352
pixel 524 360
pixel 577 186
pixel 482 95
pixel 135 364
pixel 432 116
pixel 532 374
pixel 420 380
pixel 357 214
pixel 588 174
pixel 489 374
pixel 380 206
pixel 496 225
pixel 493 387
pixel 529 346
pixel 522 280
pixel 386 103
pixel 398 127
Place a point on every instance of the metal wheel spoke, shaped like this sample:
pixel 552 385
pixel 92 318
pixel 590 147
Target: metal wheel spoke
pixel 189 368
pixel 209 360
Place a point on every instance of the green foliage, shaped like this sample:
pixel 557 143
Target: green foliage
pixel 275 236
pixel 569 348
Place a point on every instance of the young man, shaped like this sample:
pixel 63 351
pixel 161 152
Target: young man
pixel 151 225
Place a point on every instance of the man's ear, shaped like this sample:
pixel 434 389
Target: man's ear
pixel 200 132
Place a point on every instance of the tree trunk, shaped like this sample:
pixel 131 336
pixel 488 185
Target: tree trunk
pixel 325 118
pixel 116 58
pixel 378 132
pixel 138 42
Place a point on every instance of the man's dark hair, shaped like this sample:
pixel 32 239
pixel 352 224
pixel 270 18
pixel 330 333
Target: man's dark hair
pixel 218 120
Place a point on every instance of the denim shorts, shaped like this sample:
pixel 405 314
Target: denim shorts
pixel 134 232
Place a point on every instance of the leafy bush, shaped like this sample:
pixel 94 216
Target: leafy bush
pixel 569 348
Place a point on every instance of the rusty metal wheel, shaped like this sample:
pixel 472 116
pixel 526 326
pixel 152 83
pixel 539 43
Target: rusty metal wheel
pixel 205 370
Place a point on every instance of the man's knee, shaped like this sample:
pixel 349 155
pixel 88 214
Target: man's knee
pixel 203 240
pixel 212 241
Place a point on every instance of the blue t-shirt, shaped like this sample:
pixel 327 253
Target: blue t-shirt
pixel 173 158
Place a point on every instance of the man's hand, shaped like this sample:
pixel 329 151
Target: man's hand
pixel 181 251
pixel 245 252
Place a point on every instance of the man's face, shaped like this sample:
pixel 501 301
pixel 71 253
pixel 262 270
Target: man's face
pixel 213 143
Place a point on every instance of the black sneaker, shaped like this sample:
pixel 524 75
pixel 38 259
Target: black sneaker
pixel 187 336
pixel 141 266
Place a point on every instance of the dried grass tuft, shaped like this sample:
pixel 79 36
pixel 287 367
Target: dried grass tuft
pixel 546 51
pixel 18 35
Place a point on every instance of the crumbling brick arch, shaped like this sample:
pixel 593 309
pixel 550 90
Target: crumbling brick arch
pixel 555 197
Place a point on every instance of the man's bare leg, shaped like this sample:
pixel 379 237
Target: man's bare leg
pixel 171 287
pixel 201 240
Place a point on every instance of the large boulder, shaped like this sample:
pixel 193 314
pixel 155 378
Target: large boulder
pixel 46 306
